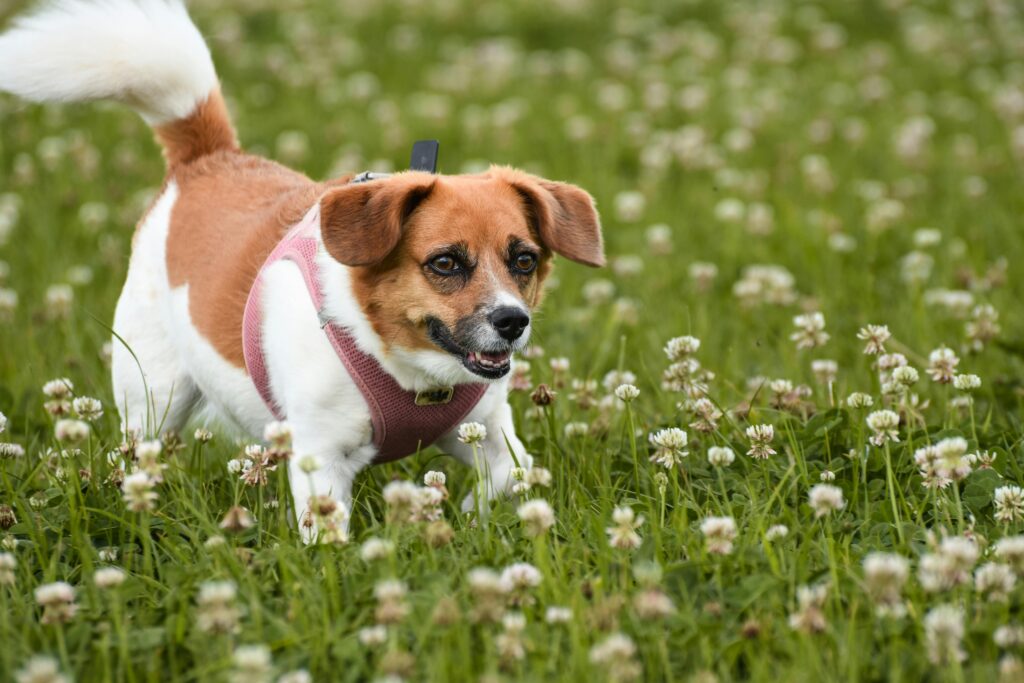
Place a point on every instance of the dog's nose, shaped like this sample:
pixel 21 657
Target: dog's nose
pixel 509 321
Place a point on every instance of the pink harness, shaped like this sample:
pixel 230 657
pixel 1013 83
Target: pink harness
pixel 403 421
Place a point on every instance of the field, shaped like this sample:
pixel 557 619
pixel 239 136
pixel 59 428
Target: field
pixel 812 212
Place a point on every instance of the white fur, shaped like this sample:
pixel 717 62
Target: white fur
pixel 145 53
pixel 148 54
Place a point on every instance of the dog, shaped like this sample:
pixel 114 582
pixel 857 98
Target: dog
pixel 242 270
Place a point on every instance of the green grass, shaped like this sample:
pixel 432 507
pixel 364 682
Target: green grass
pixel 593 96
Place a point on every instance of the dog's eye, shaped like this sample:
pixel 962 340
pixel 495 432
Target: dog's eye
pixel 525 263
pixel 445 265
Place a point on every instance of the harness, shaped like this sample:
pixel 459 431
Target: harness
pixel 403 421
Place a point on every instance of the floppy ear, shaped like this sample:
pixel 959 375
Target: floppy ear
pixel 565 218
pixel 361 223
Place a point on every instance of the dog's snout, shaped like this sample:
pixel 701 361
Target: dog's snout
pixel 509 321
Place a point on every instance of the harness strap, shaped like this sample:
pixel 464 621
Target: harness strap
pixel 403 421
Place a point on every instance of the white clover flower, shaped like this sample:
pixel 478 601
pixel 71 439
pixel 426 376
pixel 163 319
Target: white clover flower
pixel 520 576
pixel 61 387
pixel 472 432
pixel 372 636
pixel 40 669
pixel 109 577
pixel 859 400
pixel 558 615
pixel 905 376
pixel 1009 503
pixel 719 533
pixel 203 435
pixel 721 456
pixel 235 465
pixel 616 655
pixel 944 631
pixel 809 616
pixel 760 436
pixel 538 476
pixel 827 476
pixel 537 516
pixel 71 431
pixel 58 602
pixel 776 532
pixel 252 663
pixel 875 336
pixel 278 433
pixel 623 534
pixel 559 365
pixel 825 371
pixel 139 495
pixel 309 463
pixel 374 549
pixel 942 364
pixel 884 424
pixel 967 383
pixel 3 423
pixel 670 446
pixel 626 392
pixel 434 478
pixel 1011 550
pixel 1008 636
pixel 87 408
pixel 884 576
pixel 825 498
pixel 995 581
pixel 810 330
pixel 679 348
pixel 11 450
pixel 576 429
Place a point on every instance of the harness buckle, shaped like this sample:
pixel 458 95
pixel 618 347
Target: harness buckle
pixel 434 397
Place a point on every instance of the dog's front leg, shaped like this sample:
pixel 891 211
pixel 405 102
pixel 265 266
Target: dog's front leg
pixel 321 483
pixel 494 458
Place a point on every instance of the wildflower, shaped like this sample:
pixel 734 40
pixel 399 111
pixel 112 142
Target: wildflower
pixel 108 554
pixel 538 476
pixel 309 463
pixel 509 643
pixel 1008 636
pixel 217 612
pixel 944 631
pixel 71 431
pixel 139 495
pixel 884 424
pixel 827 476
pixel 760 439
pixel 884 575
pixel 297 676
pixel 374 549
pixel 659 239
pixel 542 396
pixel 372 636
pixel 616 656
pixel 472 432
pixel 108 577
pixel 905 376
pixel 520 376
pixel 653 603
pixel 949 566
pixel 9 451
pixel 776 532
pixel 995 580
pixel 8 563
pixel 679 348
pixel 519 578
pixel 825 498
pixel 670 446
pixel 279 437
pixel 942 364
pixel 576 429
pixel 824 370
pixel 810 331
pixel 1009 503
pixel 809 616
pixel 402 498
pixel 489 594
pixel 58 602
pixel 859 400
pixel 721 456
pixel 626 392
pixel 203 435
pixel 391 605
pixel 256 463
pixel 967 383
pixel 719 533
pixel 623 534
pixel 703 275
pixel 147 455
pixel 558 615
pixel 598 291
pixel 87 408
pixel 707 415
pixel 252 664
pixel 875 336
pixel 7 517
pixel 984 326
pixel 61 387
pixel 537 517
pixel 40 669
pixel 1011 550
pixel 237 519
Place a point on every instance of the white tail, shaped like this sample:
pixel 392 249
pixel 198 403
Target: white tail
pixel 145 53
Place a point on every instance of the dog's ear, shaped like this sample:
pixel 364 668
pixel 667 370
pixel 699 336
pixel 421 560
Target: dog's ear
pixel 361 223
pixel 563 215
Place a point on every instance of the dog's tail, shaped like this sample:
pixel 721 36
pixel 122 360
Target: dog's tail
pixel 145 53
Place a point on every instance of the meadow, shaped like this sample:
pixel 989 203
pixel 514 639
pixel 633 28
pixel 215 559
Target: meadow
pixel 778 438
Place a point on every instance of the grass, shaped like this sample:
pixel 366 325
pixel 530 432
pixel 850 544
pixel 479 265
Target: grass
pixel 815 137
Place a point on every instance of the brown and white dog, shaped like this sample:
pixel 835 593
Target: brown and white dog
pixel 434 276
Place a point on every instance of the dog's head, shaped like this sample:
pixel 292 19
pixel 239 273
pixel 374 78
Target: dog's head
pixel 454 264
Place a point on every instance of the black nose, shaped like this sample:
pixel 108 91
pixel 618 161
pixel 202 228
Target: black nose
pixel 509 321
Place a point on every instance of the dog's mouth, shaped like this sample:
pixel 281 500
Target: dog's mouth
pixel 486 364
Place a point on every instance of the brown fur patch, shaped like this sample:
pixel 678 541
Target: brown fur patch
pixel 232 210
pixel 206 130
